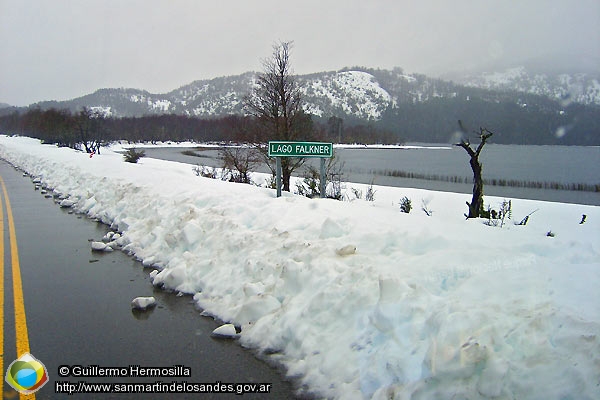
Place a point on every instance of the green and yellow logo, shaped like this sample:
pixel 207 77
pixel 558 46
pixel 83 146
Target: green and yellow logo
pixel 26 374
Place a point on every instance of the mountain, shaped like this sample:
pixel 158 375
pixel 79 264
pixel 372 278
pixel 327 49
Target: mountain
pixel 359 93
pixel 566 88
pixel 387 106
pixel 4 105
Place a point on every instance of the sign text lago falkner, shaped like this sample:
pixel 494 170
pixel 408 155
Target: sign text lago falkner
pixel 300 149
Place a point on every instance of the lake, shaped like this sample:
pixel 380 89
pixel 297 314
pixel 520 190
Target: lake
pixel 566 165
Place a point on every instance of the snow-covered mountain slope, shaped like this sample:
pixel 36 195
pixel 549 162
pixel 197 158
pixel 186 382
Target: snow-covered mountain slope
pixel 216 96
pixel 358 93
pixel 579 87
pixel 354 93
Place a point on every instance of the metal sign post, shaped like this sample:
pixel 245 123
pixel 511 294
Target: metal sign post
pixel 323 181
pixel 278 177
pixel 280 149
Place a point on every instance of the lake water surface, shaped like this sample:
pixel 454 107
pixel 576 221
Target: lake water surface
pixel 551 164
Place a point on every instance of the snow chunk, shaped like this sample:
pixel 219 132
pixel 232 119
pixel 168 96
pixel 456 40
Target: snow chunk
pixel 101 246
pixel 174 278
pixel 66 203
pixel 225 331
pixel 346 250
pixel 143 303
pixel 111 237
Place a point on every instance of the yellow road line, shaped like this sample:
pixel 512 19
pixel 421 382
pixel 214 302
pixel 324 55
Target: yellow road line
pixel 1 297
pixel 20 319
pixel 22 337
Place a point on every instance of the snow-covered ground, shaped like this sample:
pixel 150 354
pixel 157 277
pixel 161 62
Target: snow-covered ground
pixel 357 299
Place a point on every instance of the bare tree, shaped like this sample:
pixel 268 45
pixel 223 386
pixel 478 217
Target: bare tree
pixel 239 161
pixel 276 104
pixel 476 205
pixel 88 130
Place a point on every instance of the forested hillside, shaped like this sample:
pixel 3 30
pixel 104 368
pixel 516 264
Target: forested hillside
pixel 351 105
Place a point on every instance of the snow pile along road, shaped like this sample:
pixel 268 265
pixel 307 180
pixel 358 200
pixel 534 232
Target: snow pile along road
pixel 357 299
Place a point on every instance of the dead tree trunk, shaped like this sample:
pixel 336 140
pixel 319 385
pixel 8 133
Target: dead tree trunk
pixel 476 204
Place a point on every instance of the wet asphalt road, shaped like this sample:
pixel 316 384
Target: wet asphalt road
pixel 78 309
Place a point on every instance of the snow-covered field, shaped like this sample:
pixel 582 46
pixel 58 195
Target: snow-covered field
pixel 355 298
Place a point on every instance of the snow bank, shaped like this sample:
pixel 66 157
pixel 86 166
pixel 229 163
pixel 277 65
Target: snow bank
pixel 357 299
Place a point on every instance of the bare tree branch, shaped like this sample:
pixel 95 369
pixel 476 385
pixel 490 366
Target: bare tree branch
pixel 276 103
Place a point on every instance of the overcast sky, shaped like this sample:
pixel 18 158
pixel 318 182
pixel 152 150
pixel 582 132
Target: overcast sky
pixel 59 49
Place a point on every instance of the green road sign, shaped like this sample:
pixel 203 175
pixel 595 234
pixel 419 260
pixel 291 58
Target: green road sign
pixel 300 149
